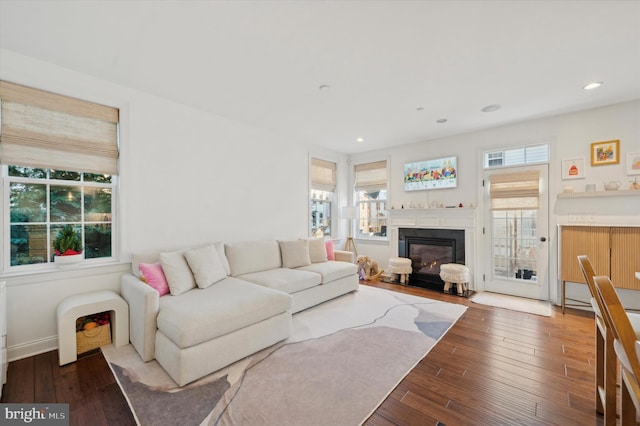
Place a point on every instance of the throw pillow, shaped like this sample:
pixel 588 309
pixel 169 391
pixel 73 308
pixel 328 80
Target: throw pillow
pixel 330 254
pixel 177 271
pixel 206 266
pixel 317 250
pixel 154 276
pixel 294 253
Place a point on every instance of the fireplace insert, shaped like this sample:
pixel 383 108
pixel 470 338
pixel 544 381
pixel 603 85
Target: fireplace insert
pixel 428 249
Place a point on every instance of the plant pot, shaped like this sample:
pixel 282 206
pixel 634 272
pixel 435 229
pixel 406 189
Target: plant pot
pixel 68 261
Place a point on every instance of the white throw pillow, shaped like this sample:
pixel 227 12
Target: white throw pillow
pixel 295 253
pixel 317 250
pixel 177 271
pixel 206 266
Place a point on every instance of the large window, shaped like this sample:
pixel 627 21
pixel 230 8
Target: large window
pixel 323 187
pixel 59 162
pixel 42 201
pixel 371 199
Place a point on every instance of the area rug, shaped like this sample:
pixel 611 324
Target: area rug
pixel 342 360
pixel 521 304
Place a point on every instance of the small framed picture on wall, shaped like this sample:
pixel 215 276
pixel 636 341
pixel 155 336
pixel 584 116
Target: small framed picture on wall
pixel 607 152
pixel 573 168
pixel 633 163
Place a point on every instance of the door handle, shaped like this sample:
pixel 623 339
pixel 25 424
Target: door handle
pixel 543 239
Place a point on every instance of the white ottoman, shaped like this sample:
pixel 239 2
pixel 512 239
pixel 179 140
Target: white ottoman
pixel 455 273
pixel 400 266
pixel 79 305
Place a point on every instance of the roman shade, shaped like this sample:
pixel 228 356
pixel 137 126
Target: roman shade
pixel 371 176
pixel 515 191
pixel 47 130
pixel 323 175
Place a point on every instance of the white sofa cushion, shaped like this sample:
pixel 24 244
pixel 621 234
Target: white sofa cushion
pixel 153 257
pixel 317 250
pixel 253 256
pixel 331 270
pixel 294 253
pixel 200 315
pixel 205 265
pixel 177 271
pixel 283 279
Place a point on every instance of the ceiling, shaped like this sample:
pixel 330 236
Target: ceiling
pixel 393 67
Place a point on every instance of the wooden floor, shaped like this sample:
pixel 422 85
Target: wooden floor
pixel 494 367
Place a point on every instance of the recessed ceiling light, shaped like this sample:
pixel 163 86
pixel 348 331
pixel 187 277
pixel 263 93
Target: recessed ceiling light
pixel 420 109
pixel 593 85
pixel 324 87
pixel 360 140
pixel 441 120
pixel 491 108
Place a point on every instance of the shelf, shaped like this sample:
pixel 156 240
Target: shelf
pixel 597 194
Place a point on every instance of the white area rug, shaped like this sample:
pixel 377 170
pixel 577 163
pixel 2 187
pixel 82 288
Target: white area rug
pixel 521 304
pixel 342 360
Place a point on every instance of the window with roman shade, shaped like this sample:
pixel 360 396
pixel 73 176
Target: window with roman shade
pixel 323 187
pixel 59 165
pixel 370 184
pixel 515 191
pixel 46 130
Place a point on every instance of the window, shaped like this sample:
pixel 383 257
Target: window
pixel 371 199
pixel 517 156
pixel 42 201
pixel 59 162
pixel 323 186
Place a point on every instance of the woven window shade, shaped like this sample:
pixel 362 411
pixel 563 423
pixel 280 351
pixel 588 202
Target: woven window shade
pixel 371 176
pixel 323 175
pixel 515 191
pixel 46 130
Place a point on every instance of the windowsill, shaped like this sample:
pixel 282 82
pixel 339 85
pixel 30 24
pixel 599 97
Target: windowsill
pixel 33 277
pixel 373 240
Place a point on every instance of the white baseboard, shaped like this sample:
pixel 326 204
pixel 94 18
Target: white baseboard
pixel 32 348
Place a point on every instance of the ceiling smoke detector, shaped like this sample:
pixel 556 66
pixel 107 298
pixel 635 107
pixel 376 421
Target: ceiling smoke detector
pixel 491 108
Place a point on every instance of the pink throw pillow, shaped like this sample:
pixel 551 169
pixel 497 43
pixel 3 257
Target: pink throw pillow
pixel 330 254
pixel 154 276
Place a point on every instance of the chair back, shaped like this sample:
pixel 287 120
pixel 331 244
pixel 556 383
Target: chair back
pixel 618 322
pixel 589 274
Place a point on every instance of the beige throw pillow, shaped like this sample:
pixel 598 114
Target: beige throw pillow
pixel 294 253
pixel 317 250
pixel 177 271
pixel 205 265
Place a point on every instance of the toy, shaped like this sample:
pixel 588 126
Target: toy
pixel 368 268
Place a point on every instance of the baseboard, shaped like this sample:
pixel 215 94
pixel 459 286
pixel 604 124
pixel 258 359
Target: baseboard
pixel 32 348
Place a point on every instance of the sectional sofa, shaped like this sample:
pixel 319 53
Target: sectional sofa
pixel 199 309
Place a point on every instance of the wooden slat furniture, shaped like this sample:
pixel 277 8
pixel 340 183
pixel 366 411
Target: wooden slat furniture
pixel 614 251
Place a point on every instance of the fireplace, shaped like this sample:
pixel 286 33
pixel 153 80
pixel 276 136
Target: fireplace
pixel 428 249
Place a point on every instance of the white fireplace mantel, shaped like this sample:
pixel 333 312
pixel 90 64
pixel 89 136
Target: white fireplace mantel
pixel 441 218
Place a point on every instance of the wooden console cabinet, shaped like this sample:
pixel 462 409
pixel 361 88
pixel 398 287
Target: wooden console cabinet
pixel 614 251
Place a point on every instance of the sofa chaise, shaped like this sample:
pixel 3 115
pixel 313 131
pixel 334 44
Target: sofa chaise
pixel 220 303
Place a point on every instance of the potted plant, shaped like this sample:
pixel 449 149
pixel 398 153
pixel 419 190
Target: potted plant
pixel 68 246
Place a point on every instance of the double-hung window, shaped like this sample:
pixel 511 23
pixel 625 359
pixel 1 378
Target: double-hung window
pixel 371 199
pixel 59 163
pixel 323 187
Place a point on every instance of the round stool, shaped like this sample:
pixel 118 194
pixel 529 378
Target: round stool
pixel 454 273
pixel 400 266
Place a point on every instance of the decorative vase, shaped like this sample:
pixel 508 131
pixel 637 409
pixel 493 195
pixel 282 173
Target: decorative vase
pixel 68 261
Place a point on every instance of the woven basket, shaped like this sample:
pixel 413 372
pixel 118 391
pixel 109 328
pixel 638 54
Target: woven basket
pixel 88 340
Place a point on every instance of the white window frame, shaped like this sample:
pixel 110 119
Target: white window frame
pixel 361 203
pixel 49 265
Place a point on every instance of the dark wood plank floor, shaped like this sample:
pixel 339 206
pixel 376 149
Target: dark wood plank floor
pixel 494 367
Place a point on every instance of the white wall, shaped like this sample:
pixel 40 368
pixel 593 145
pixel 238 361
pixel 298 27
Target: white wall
pixel 570 136
pixel 186 177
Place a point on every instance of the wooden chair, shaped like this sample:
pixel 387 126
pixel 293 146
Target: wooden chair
pixel 605 354
pixel 626 346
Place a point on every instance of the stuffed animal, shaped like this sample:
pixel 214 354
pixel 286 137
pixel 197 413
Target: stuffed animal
pixel 368 268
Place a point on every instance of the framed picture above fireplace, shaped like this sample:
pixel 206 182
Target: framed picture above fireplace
pixel 431 174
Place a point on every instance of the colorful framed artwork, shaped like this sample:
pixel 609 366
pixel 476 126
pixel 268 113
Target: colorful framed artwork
pixel 431 174
pixel 573 168
pixel 607 152
pixel 633 163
